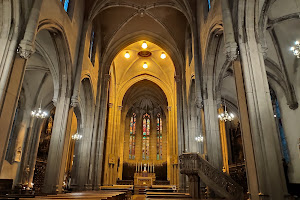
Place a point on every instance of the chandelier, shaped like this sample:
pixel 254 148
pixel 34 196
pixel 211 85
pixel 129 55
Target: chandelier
pixel 76 136
pixel 225 116
pixel 39 113
pixel 199 138
pixel 296 49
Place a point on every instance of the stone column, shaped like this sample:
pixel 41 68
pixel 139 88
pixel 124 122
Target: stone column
pixel 34 147
pixel 56 156
pixel 21 177
pixel 10 102
pixel 65 150
pixel 101 131
pixel 246 132
pixel 10 85
pixel 266 144
pixel 77 81
pixel 213 142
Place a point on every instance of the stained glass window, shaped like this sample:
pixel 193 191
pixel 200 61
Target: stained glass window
pixel 159 137
pixel 278 120
pixel 92 50
pixel 146 137
pixel 66 4
pixel 132 137
pixel 209 4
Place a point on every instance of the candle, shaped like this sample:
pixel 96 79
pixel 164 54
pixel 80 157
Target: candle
pixel 153 169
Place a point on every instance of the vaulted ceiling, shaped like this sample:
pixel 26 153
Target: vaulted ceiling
pixel 167 19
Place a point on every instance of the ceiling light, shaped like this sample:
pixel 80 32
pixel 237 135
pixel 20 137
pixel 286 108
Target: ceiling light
pixel 225 116
pixel 199 138
pixel 127 55
pixel 144 45
pixel 296 49
pixel 163 55
pixel 39 113
pixel 145 66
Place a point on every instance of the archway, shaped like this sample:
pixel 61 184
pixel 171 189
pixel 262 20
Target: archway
pixel 141 90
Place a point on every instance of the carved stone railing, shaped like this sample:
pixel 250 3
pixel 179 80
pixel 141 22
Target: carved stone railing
pixel 193 164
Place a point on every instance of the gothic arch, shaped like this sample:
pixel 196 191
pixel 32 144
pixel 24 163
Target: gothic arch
pixel 170 49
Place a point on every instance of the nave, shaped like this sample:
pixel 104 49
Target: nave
pixel 165 98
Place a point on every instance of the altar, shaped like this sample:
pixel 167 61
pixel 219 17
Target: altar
pixel 144 175
pixel 144 179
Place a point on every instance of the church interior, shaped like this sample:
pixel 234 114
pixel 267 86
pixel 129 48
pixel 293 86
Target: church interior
pixel 151 99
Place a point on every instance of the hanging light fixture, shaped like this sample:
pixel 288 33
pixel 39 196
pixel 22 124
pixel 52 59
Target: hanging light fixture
pixel 127 55
pixel 76 136
pixel 199 138
pixel 144 45
pixel 296 49
pixel 163 55
pixel 225 116
pixel 39 113
pixel 145 66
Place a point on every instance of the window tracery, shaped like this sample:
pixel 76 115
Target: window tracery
pixel 159 138
pixel 132 138
pixel 146 137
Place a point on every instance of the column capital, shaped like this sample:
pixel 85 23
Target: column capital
pixel 110 105
pixel 231 51
pixel 74 102
pixel 25 49
pixel 120 108
pixel 107 77
pixel 177 78
pixel 169 108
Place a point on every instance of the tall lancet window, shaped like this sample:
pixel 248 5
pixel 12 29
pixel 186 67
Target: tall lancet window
pixel 209 4
pixel 65 4
pixel 146 136
pixel 159 137
pixel 278 120
pixel 132 137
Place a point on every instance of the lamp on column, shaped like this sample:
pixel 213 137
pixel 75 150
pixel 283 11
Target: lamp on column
pixel 225 116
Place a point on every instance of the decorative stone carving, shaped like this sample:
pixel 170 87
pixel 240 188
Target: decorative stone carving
pixel 25 49
pixel 74 102
pixel 169 108
pixel 231 51
pixel 107 77
pixel 199 103
pixel 110 105
pixel 141 12
pixel 177 78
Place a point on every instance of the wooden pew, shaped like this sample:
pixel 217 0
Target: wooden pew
pixel 128 189
pixel 106 195
pixel 6 191
pixel 167 195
